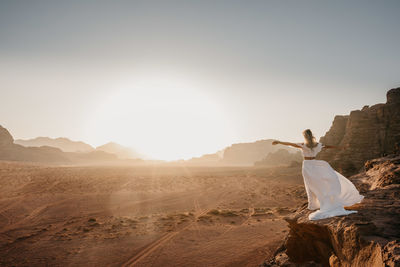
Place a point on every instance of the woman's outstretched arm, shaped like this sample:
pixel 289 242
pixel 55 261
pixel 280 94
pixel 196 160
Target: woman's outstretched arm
pixel 276 142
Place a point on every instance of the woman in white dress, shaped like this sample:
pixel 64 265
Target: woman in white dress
pixel 327 190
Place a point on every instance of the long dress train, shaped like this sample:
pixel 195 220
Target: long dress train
pixel 327 190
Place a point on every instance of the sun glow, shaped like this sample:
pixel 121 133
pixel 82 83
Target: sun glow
pixel 164 119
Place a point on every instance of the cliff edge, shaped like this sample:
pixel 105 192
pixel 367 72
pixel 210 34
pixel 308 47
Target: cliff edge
pixel 370 237
pixel 370 133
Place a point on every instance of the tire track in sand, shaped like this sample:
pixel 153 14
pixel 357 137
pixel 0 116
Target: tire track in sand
pixel 251 213
pixel 150 248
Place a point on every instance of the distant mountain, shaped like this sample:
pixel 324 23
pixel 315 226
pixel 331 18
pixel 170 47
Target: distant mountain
pixel 14 152
pixel 6 138
pixel 207 159
pixel 249 153
pixel 280 157
pixel 241 154
pixel 68 145
pixel 49 155
pixel 62 143
pixel 122 152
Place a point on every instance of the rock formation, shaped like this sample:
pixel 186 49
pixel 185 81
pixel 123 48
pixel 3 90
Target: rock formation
pixel 11 151
pixel 280 157
pixel 370 237
pixel 62 143
pixel 121 151
pixel 46 154
pixel 249 153
pixel 241 154
pixel 206 160
pixel 5 138
pixel 370 133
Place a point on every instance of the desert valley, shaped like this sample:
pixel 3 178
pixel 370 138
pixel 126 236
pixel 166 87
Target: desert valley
pixel 144 216
pixel 86 209
pixel 76 209
pixel 170 133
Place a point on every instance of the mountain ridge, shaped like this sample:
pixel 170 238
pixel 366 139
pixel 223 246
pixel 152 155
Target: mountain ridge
pixel 121 151
pixel 63 143
pixel 240 154
pixel 48 154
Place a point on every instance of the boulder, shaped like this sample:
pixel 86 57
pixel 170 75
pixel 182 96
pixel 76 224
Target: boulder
pixel 5 137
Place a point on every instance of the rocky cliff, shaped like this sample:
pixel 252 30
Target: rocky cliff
pixel 370 237
pixel 242 154
pixel 6 138
pixel 248 153
pixel 370 133
pixel 11 151
pixel 281 157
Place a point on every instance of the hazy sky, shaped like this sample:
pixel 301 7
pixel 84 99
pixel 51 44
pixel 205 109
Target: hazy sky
pixel 175 79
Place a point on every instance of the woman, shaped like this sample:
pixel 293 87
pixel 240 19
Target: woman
pixel 326 189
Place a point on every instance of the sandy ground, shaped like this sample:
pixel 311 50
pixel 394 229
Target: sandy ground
pixel 143 216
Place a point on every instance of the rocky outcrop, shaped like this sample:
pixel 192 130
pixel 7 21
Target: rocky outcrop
pixel 369 133
pixel 370 237
pixel 206 160
pixel 62 143
pixel 13 152
pixel 121 151
pixel 44 154
pixel 47 154
pixel 248 153
pixel 241 154
pixel 280 157
pixel 5 137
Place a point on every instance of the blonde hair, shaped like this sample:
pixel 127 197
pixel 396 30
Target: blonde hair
pixel 310 139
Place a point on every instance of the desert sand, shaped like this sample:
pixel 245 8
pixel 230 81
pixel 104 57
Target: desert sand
pixel 144 216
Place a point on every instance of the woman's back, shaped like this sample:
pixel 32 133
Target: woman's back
pixel 308 152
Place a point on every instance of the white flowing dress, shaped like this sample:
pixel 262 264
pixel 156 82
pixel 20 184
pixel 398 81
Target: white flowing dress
pixel 327 190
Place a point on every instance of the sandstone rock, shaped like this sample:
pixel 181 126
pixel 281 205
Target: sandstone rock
pixel 5 137
pixel 119 150
pixel 370 237
pixel 207 159
pixel 249 153
pixel 393 96
pixel 280 157
pixel 47 154
pixel 370 133
pixel 384 171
